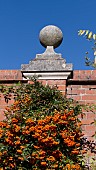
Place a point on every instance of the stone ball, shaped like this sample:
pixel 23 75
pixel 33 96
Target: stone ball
pixel 51 36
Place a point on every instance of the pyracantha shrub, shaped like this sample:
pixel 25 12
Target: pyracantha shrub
pixel 41 131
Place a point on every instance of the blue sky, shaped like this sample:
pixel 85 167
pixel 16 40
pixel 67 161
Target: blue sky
pixel 22 20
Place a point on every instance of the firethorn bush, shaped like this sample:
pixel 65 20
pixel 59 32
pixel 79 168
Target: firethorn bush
pixel 41 131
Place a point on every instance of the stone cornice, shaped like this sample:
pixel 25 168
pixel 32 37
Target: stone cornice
pixel 47 75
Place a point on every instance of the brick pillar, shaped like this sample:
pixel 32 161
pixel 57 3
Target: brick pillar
pixel 60 84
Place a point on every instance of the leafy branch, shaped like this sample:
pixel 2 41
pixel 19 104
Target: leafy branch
pixel 89 35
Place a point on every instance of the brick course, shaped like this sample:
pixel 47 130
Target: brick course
pixel 10 75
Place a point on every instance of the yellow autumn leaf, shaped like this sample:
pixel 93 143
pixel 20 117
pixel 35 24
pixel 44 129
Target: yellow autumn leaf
pixel 81 32
pixel 90 35
pixel 87 31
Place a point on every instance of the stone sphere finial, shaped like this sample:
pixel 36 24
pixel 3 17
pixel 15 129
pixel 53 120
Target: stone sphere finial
pixel 51 36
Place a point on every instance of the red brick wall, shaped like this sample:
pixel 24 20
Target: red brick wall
pixel 7 78
pixel 10 75
pixel 60 84
pixel 81 87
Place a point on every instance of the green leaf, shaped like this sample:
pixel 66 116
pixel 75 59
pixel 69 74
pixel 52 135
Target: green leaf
pixel 1 87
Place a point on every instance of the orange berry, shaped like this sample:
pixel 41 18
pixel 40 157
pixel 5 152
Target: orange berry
pixel 43 163
pixel 19 151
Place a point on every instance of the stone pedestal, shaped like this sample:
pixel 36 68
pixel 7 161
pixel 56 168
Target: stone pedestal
pixel 48 65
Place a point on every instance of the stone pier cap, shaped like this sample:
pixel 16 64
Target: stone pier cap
pixel 48 65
